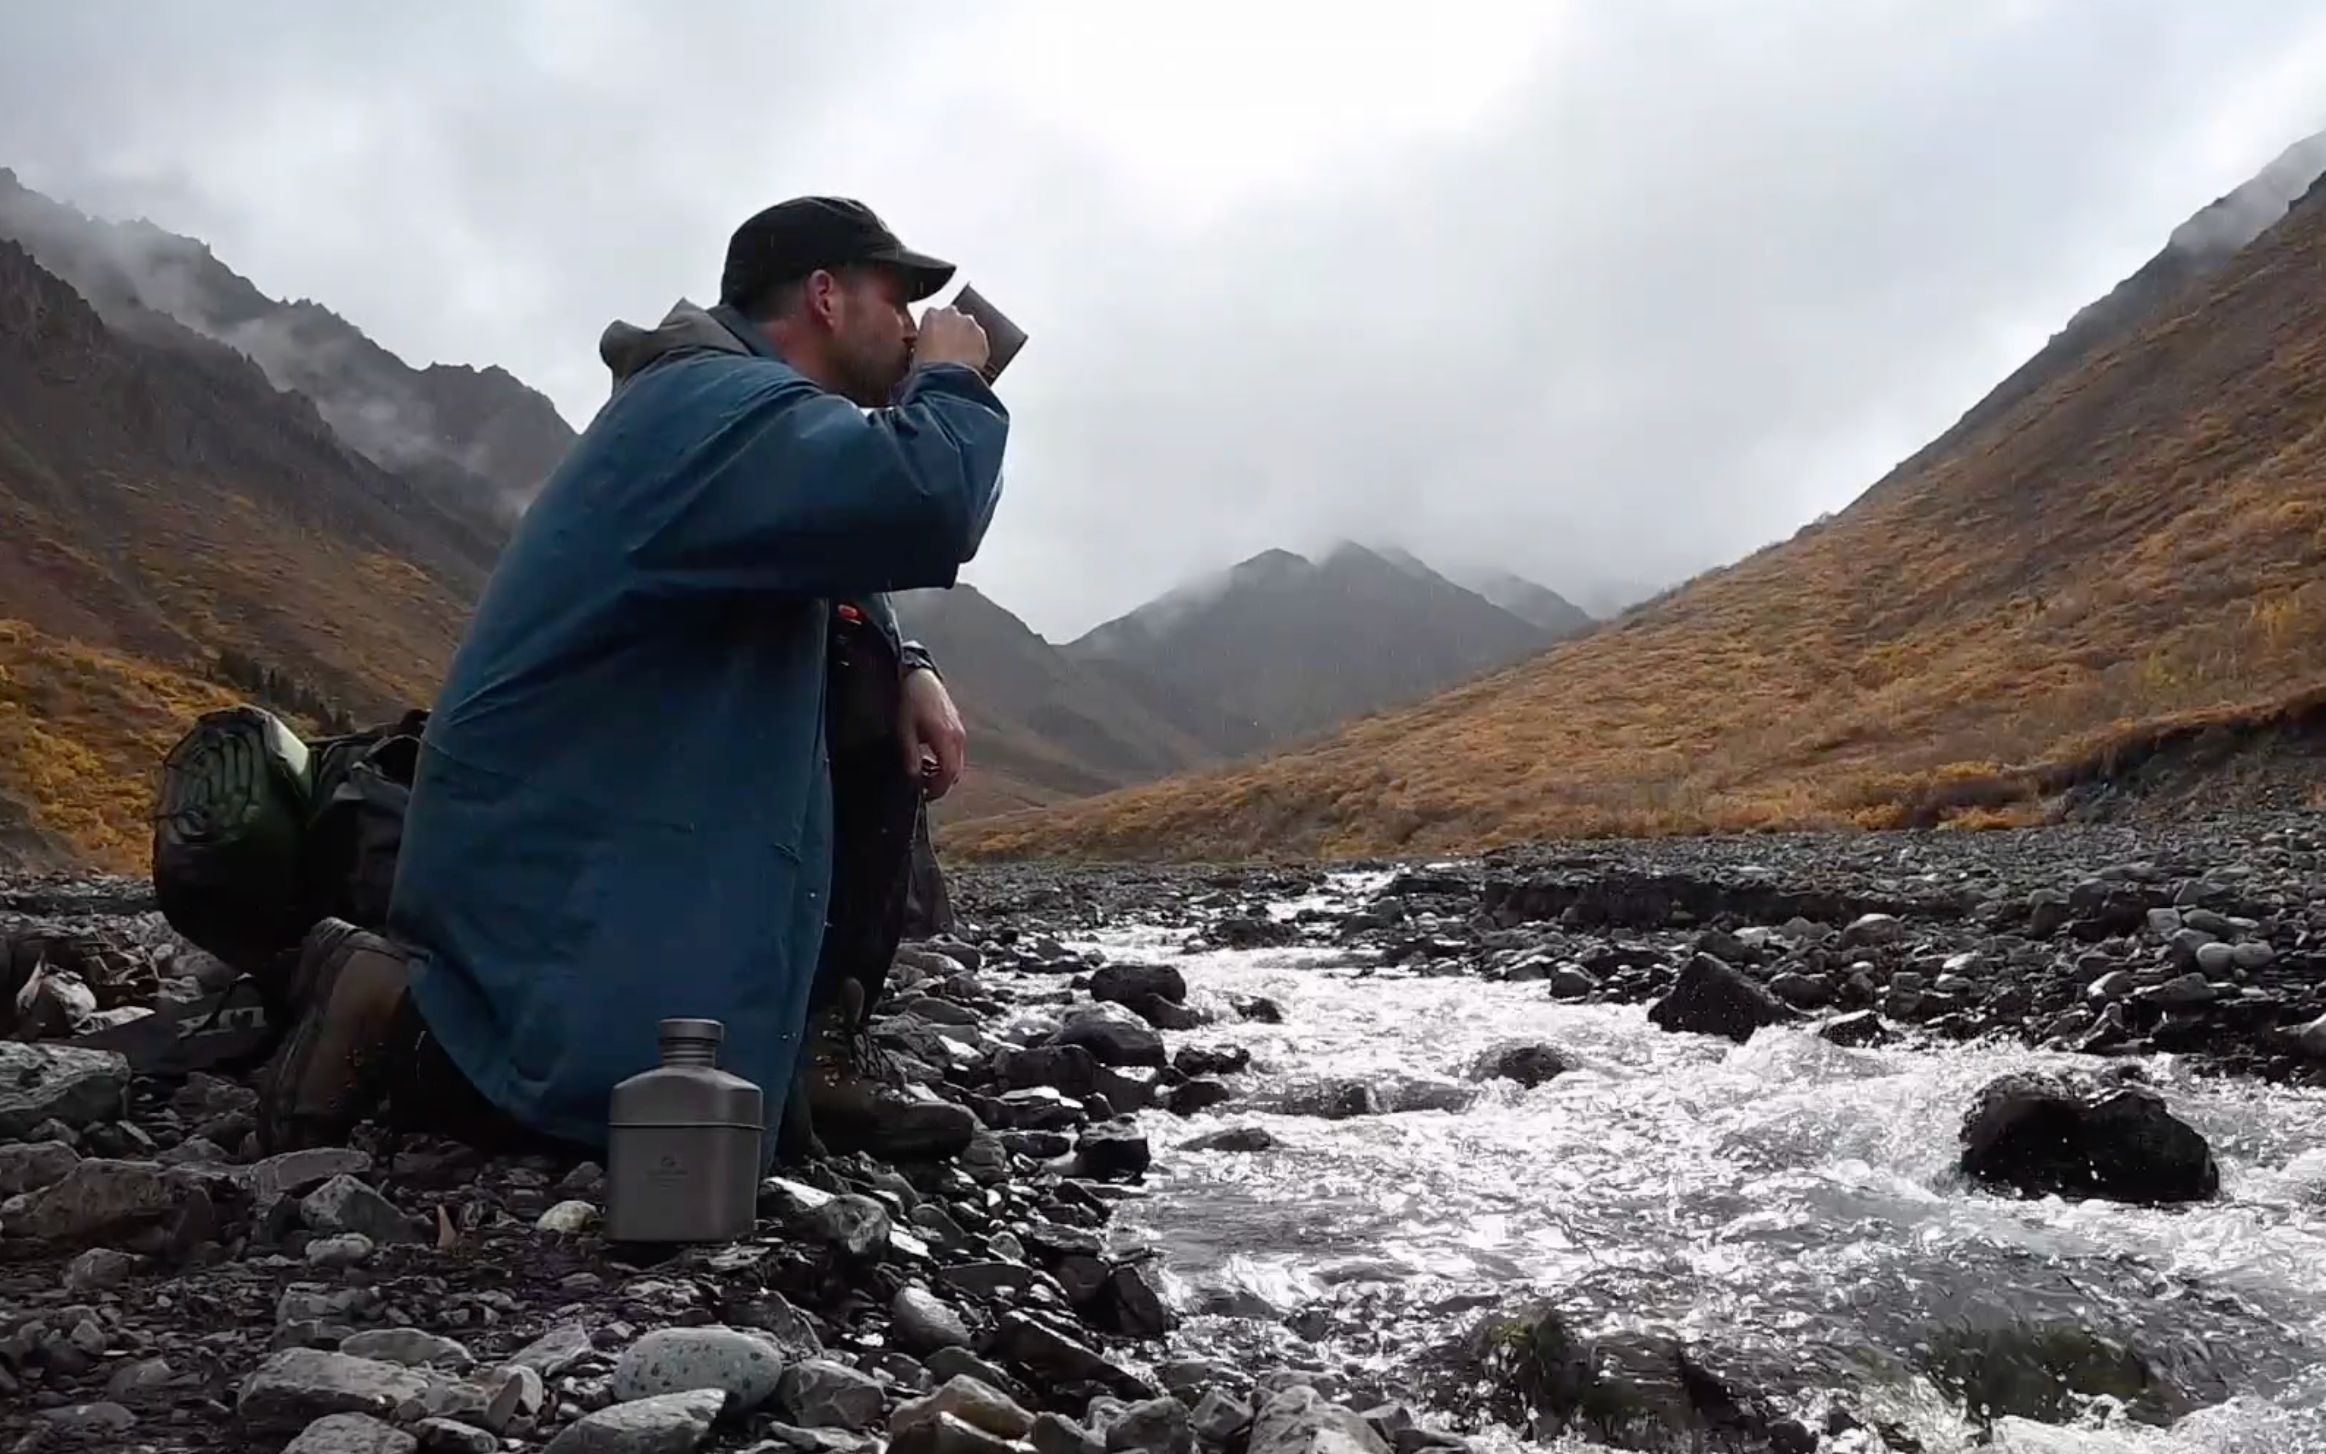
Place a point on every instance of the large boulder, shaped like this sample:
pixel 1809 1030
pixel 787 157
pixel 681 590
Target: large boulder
pixel 1113 1035
pixel 1635 1389
pixel 1711 998
pixel 2084 1136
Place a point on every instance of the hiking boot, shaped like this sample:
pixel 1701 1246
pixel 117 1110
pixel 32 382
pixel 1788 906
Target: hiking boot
pixel 859 1101
pixel 330 1070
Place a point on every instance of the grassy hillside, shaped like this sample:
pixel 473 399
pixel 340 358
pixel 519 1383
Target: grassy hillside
pixel 2136 539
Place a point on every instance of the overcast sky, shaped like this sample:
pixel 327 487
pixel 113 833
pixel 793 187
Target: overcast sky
pixel 1599 293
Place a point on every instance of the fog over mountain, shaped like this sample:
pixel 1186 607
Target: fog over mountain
pixel 1601 296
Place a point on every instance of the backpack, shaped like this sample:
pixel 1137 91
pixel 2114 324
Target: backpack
pixel 355 826
pixel 229 823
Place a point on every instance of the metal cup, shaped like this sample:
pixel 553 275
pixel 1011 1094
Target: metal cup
pixel 1003 338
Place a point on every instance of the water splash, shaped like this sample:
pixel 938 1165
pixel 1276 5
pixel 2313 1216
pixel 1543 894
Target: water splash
pixel 1787 1204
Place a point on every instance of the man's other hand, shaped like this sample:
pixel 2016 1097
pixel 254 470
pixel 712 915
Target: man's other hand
pixel 936 744
pixel 948 335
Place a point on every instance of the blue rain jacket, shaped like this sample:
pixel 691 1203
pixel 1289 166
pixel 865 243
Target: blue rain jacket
pixel 623 806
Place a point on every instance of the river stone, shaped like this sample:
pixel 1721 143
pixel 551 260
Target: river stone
pixel 2114 985
pixel 670 1423
pixel 61 1083
pixel 2186 989
pixel 791 1439
pixel 1859 1028
pixel 344 1204
pixel 674 1360
pixel 568 1218
pixel 1114 1151
pixel 351 1434
pixel 1202 1060
pixel 1035 1345
pixel 856 1225
pixel 1069 1069
pixel 1300 1421
pixel 971 1400
pixel 2084 1137
pixel 297 1386
pixel 556 1350
pixel 1133 1306
pixel 348 1249
pixel 1529 1065
pixel 773 1317
pixel 1196 1096
pixel 1869 929
pixel 293 1172
pixel 924 1324
pixel 450 1436
pixel 96 1196
pixel 1132 984
pixel 34 1165
pixel 1710 998
pixel 1113 1035
pixel 99 1268
pixel 822 1394
pixel 411 1347
pixel 946 1434
pixel 1809 992
pixel 89 1419
pixel 1056 1434
pixel 1219 1417
pixel 1154 1426
pixel 1241 1139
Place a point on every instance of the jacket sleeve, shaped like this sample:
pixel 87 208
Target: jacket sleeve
pixel 803 493
pixel 911 655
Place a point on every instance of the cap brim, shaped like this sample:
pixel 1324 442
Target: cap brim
pixel 923 274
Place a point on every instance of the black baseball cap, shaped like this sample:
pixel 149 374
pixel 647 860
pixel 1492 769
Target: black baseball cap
pixel 792 239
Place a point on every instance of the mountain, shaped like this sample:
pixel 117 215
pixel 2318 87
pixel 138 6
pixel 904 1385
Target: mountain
pixel 1043 727
pixel 1279 646
pixel 176 533
pixel 1537 605
pixel 2118 553
pixel 476 438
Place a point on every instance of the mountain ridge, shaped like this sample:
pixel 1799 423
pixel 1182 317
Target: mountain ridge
pixel 2119 544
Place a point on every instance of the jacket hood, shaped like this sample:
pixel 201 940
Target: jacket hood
pixel 627 349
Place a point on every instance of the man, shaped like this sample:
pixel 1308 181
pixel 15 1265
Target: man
pixel 623 808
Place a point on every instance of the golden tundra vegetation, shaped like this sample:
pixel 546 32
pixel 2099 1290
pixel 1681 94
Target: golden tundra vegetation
pixel 2130 550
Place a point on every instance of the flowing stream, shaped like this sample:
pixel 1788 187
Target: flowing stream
pixel 1788 1207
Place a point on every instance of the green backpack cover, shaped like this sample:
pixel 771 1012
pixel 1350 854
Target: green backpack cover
pixel 229 827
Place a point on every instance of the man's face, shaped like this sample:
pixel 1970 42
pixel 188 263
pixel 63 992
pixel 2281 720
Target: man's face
pixel 872 334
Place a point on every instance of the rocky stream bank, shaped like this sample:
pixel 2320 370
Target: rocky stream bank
pixel 164 1287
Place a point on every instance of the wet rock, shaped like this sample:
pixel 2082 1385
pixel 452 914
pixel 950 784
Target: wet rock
pixel 1636 1389
pixel 673 1360
pixel 297 1386
pixel 973 1402
pixel 33 1165
pixel 1197 1096
pixel 1050 1354
pixel 344 1204
pixel 1710 998
pixel 2187 989
pixel 1300 1421
pixel 63 1083
pixel 790 1439
pixel 923 1323
pixel 135 1380
pixel 856 1226
pixel 670 1423
pixel 2114 985
pixel 1067 1069
pixel 1250 1139
pixel 1529 1065
pixel 1803 991
pixel 1131 1304
pixel 1112 1035
pixel 1258 1009
pixel 946 1434
pixel 1114 1151
pixel 1152 1426
pixel 1203 1060
pixel 821 1394
pixel 351 1434
pixel 2045 1135
pixel 1133 984
pixel 1254 933
pixel 411 1347
pixel 1861 1028
pixel 96 1197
